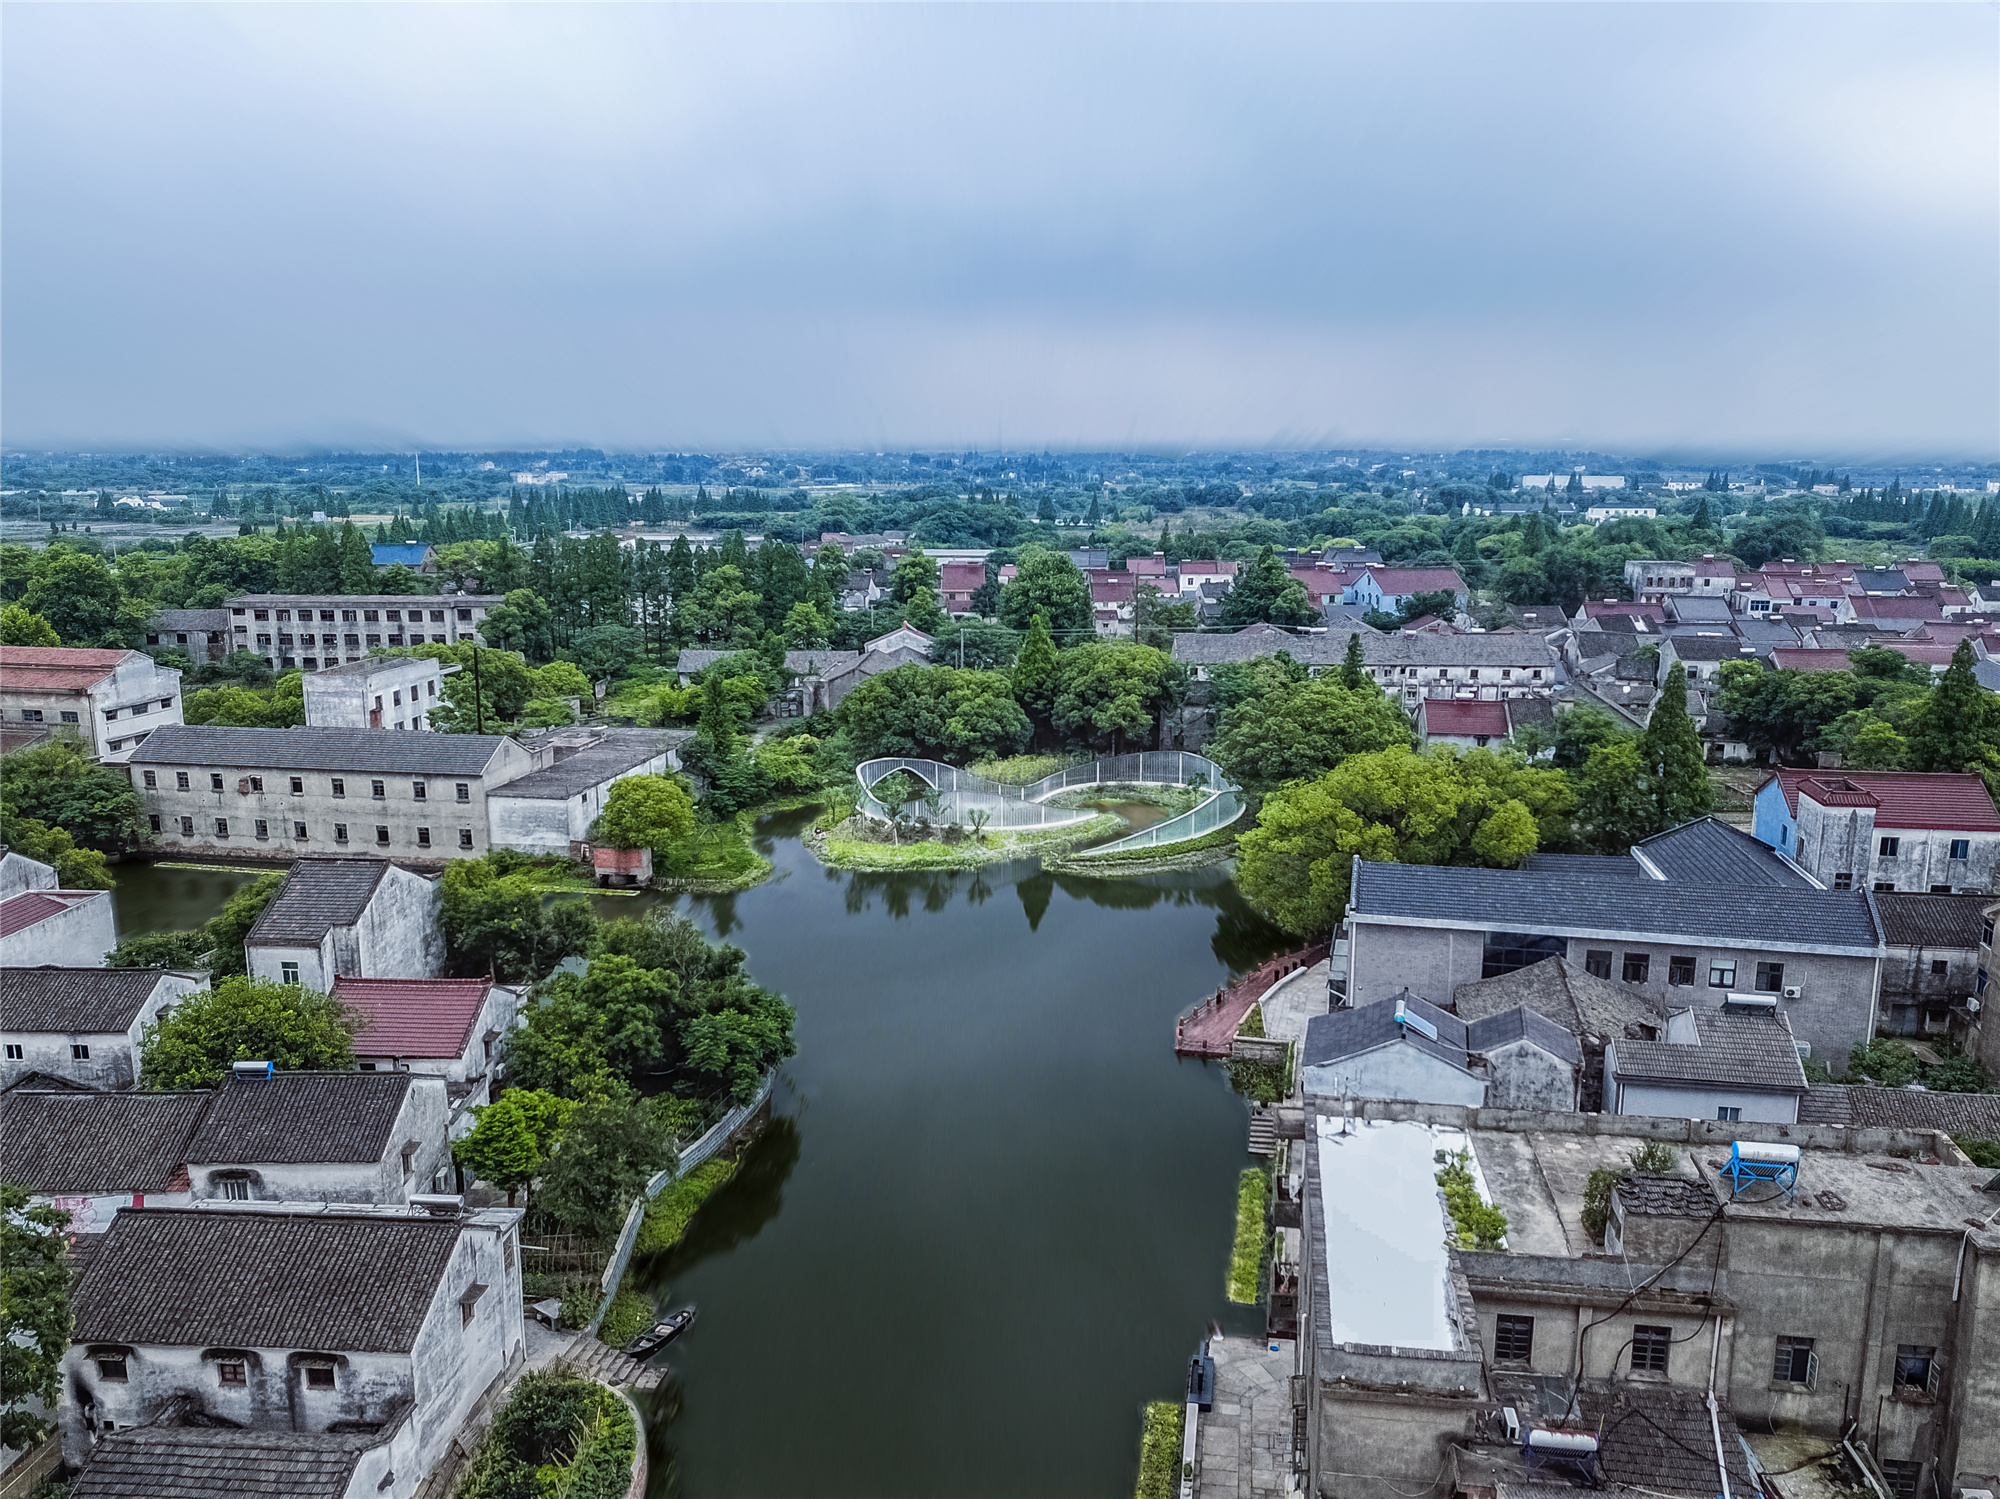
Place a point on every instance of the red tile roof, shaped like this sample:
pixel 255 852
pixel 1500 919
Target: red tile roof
pixel 961 577
pixel 1903 798
pixel 1417 579
pixel 57 668
pixel 1869 606
pixel 1148 567
pixel 1112 588
pixel 22 911
pixel 1206 567
pixel 1808 658
pixel 1444 715
pixel 413 1017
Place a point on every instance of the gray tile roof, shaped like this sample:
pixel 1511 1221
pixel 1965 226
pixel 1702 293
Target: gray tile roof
pixel 318 895
pixel 1378 648
pixel 363 600
pixel 189 620
pixel 363 751
pixel 1709 852
pixel 1665 1196
pixel 1736 1051
pixel 231 1278
pixel 805 663
pixel 1523 1024
pixel 97 1142
pixel 1709 648
pixel 1511 900
pixel 1660 1439
pixel 73 1000
pixel 1252 641
pixel 185 1462
pixel 1932 920
pixel 619 751
pixel 1349 1033
pixel 301 1118
pixel 1976 1114
pixel 1572 997
pixel 1593 866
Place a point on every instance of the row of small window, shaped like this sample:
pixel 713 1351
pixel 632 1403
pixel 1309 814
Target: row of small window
pixel 1444 673
pixel 419 790
pixel 318 1376
pixel 1638 966
pixel 299 831
pixel 78 1052
pixel 353 641
pixel 368 616
pixel 1918 1367
pixel 34 715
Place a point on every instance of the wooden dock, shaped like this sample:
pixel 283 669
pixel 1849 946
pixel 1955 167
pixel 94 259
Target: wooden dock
pixel 1208 1029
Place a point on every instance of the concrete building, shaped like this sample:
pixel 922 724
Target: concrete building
pixel 203 635
pixel 353 1137
pixel 362 918
pixel 1530 1062
pixel 957 583
pixel 1409 665
pixel 1480 723
pixel 1730 1064
pixel 40 924
pixel 1659 578
pixel 280 793
pixel 83 1024
pixel 455 1029
pixel 1593 1010
pixel 377 692
pixel 1690 918
pixel 91 1154
pixel 550 811
pixel 1886 830
pixel 1390 589
pixel 111 699
pixel 304 1327
pixel 1932 962
pixel 312 631
pixel 1405 1049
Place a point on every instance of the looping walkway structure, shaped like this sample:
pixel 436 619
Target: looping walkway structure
pixel 956 794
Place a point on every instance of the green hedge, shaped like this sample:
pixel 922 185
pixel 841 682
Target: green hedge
pixel 1246 1256
pixel 1160 1451
pixel 575 1427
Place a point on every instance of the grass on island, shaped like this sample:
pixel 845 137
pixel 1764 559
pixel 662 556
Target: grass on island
pixel 1160 1451
pixel 631 1313
pixel 1019 770
pixel 669 1214
pixel 1223 837
pixel 1253 1023
pixel 715 856
pixel 968 853
pixel 1247 1256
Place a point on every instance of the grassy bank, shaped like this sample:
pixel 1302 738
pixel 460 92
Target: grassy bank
pixel 669 1214
pixel 1246 1256
pixel 714 859
pixel 1160 1451
pixel 839 852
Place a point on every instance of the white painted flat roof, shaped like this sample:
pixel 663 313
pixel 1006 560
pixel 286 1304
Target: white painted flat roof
pixel 1388 1274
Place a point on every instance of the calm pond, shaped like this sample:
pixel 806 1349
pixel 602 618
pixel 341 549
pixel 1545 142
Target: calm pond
pixel 993 1214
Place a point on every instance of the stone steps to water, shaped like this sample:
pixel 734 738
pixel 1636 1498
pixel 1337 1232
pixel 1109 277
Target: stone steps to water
pixel 1263 1132
pixel 595 1360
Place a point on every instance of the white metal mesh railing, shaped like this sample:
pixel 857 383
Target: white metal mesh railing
pixel 1218 811
pixel 956 795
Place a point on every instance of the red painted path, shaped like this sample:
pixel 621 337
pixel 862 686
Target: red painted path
pixel 1210 1027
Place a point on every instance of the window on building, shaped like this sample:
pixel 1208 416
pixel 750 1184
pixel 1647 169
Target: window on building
pixel 14 1052
pixel 222 827
pixel 423 837
pixel 1513 1339
pixel 1597 963
pixel 1680 970
pixel 1940 889
pixel 465 614
pixel 187 827
pixel 377 790
pixel 230 1371
pixel 1649 1347
pixel 1885 887
pixel 339 786
pixel 1507 951
pixel 78 1052
pixel 394 616
pixel 430 689
pixel 1979 983
pixel 1728 1113
pixel 1902 1477
pixel 465 837
pixel 214 781
pixel 1961 848
pixel 374 639
pixel 152 780
pixel 370 617
pixel 420 790
pixel 1940 967
pixel 288 973
pixel 298 786
pixel 1916 1368
pixel 464 792
pixel 69 718
pixel 1796 1363
pixel 1986 932
pixel 1770 977
pixel 263 828
pixel 1637 966
pixel 1844 880
pixel 340 832
pixel 382 836
pixel 347 616
pixel 112 1369
pixel 319 1376
pixel 298 830
pixel 1887 847
pixel 180 780
pixel 1721 974
pixel 155 821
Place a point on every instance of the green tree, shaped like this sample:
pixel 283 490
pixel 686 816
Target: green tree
pixel 1264 592
pixel 57 784
pixel 76 868
pixel 35 1316
pixel 1035 671
pixel 1303 729
pixel 1614 804
pixel 521 622
pixel 1954 729
pixel 935 711
pixel 1670 757
pixel 1108 692
pixel 512 1138
pixel 914 586
pixel 226 930
pixel 246 1020
pixel 495 918
pixel 1394 805
pixel 1051 585
pixel 1875 745
pixel 721 609
pixel 612 1147
pixel 20 627
pixel 356 562
pixel 1353 671
pixel 806 628
pixel 83 602
pixel 645 812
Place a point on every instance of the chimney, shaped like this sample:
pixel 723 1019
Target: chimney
pixel 1829 759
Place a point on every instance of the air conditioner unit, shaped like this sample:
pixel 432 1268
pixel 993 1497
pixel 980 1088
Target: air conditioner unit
pixel 1793 991
pixel 1510 1422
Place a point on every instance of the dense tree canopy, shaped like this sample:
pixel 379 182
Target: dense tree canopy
pixel 1303 729
pixel 246 1020
pixel 938 712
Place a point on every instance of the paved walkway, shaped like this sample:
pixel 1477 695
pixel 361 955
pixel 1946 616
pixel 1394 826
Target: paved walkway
pixel 1246 1440
pixel 1291 1002
pixel 1210 1027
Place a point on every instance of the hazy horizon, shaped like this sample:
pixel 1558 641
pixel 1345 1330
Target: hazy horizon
pixel 1751 232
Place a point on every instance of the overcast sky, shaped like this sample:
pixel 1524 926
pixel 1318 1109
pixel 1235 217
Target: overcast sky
pixel 1761 230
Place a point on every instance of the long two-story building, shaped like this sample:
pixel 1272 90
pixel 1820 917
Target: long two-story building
pixel 109 699
pixel 315 631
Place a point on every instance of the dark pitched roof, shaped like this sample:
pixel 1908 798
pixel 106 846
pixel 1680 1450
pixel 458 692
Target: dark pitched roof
pixel 363 751
pixel 318 895
pixel 1665 1196
pixel 1976 1114
pixel 97 1142
pixel 1932 920
pixel 1710 648
pixel 1574 905
pixel 47 1082
pixel 177 1462
pixel 1523 1024
pixel 1706 851
pixel 1736 1051
pixel 333 1281
pixel 1660 1439
pixel 618 752
pixel 1575 999
pixel 301 1118
pixel 1349 1033
pixel 1596 866
pixel 74 1000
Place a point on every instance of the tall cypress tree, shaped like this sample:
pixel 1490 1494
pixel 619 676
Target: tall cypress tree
pixel 1353 673
pixel 1670 754
pixel 1035 670
pixel 1956 723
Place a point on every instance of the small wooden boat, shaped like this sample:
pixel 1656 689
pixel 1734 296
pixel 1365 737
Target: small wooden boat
pixel 660 1334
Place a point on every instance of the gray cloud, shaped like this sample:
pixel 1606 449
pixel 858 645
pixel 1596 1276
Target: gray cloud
pixel 1760 228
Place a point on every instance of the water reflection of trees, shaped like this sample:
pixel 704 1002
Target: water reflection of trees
pixel 739 1209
